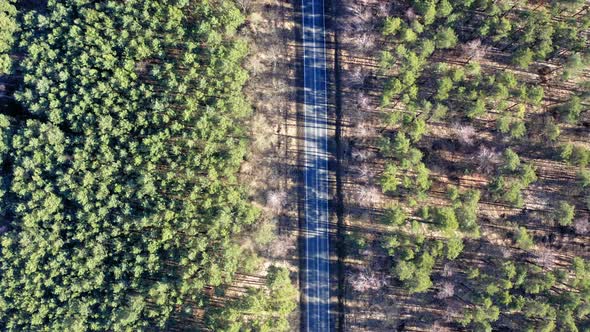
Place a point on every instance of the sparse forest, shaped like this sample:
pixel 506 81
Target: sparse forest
pixel 468 152
pixel 123 130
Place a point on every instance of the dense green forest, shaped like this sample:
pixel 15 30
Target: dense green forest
pixel 122 126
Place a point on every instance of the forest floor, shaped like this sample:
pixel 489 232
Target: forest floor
pixel 390 308
pixel 271 169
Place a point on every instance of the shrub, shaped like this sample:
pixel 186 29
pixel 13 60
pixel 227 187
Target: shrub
pixel 564 213
pixel 523 57
pixel 445 218
pixel 571 110
pixel 395 215
pixel 551 131
pixel 446 38
pixel 511 160
pixel 391 26
pixel 454 247
pixel 523 239
pixel 477 108
pixel 389 180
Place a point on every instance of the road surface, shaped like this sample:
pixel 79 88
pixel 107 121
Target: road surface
pixel 317 247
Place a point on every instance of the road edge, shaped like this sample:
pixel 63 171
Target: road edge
pixel 335 98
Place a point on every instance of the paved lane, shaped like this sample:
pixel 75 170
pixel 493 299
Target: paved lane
pixel 317 251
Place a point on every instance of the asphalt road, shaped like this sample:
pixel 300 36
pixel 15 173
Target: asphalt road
pixel 317 247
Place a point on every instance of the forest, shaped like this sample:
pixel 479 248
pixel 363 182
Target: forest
pixel 123 128
pixel 468 149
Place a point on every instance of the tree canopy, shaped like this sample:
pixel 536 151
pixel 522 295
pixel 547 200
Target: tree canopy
pixel 120 201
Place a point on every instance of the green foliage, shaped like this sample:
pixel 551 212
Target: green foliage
pixel 265 232
pixel 575 63
pixel 503 123
pixel 551 131
pixel 408 35
pixel 428 11
pixel 261 309
pixel 389 179
pixel 564 213
pixel 354 242
pixel 391 25
pixel 530 298
pixel 401 145
pixel 523 57
pixel 444 87
pixel 535 95
pixel 481 317
pixel 571 110
pixel 529 174
pixel 511 160
pixel 508 191
pixel 536 309
pixel 444 8
pixel 420 281
pixel 386 60
pixel 395 215
pixel 477 108
pixel 580 156
pixel 538 281
pixel 584 177
pixel 518 129
pixel 566 151
pixel 466 212
pixel 523 239
pixel 404 270
pixel 423 182
pixel 417 129
pixel 446 38
pixel 122 191
pixel 10 26
pixel 445 218
pixel 454 247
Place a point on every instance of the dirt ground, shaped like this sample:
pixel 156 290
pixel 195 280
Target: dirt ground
pixel 271 171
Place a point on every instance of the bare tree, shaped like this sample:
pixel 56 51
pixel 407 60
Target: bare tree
pixel 474 49
pixel 356 77
pixel 255 65
pixel 453 309
pixel 367 196
pixel 447 270
pixel 363 130
pixel 363 102
pixel 545 257
pixel 360 154
pixel 465 134
pixel 365 280
pixel 276 200
pixel 281 246
pixel 263 137
pixel 487 159
pixel 581 225
pixel 446 290
pixel 365 173
pixel 244 5
pixel 383 8
pixel 273 55
pixel 410 14
pixel 505 252
pixel 365 42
